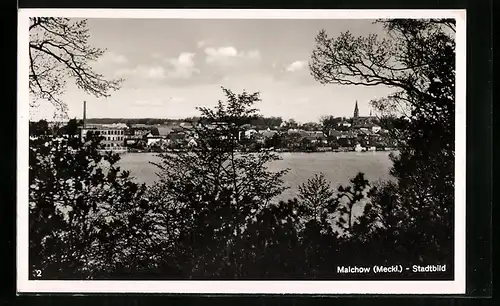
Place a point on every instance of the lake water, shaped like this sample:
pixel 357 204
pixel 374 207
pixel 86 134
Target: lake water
pixel 338 167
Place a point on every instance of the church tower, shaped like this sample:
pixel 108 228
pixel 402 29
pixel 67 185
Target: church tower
pixel 356 110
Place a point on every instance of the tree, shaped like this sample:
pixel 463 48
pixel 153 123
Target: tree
pixel 71 127
pixel 274 142
pixel 417 60
pixel 329 122
pixel 59 49
pixel 354 194
pixel 84 219
pixel 317 195
pixel 40 128
pixel 272 247
pixel 310 126
pixel 306 145
pixel 155 132
pixel 291 140
pixel 292 124
pixel 211 192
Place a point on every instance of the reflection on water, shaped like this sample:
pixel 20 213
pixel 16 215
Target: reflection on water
pixel 337 167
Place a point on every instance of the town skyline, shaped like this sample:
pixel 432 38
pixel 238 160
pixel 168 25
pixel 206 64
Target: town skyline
pixel 169 78
pixel 318 120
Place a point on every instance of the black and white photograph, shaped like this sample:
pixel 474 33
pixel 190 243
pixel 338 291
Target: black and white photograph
pixel 241 151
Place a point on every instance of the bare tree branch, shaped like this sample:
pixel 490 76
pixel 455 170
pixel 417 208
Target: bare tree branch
pixel 415 59
pixel 59 50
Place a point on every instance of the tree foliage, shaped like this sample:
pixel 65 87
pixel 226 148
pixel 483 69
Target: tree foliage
pixel 84 217
pixel 316 194
pixel 330 122
pixel 417 59
pixel 211 191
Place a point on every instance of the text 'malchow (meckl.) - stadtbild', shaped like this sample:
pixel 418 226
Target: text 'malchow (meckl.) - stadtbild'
pixel 390 269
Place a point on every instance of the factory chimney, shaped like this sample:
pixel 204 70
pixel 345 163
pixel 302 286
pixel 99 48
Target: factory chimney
pixel 84 113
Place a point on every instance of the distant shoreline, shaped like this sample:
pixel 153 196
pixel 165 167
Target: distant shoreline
pixel 280 152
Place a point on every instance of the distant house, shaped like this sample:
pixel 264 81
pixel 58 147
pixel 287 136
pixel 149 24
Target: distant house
pixel 192 143
pixel 316 133
pixel 383 132
pixel 334 134
pixel 268 133
pixel 164 130
pixel 110 136
pixel 259 138
pixel 345 124
pixel 187 125
pixel 131 141
pixel 249 133
pixel 365 131
pixel 317 137
pixel 360 120
pixel 246 126
pixel 376 128
pixel 140 132
pixel 152 139
pixel 176 136
pixel 299 131
pixel 362 125
pixel 348 135
pixel 177 129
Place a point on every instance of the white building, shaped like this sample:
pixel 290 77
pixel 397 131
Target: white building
pixel 249 133
pixel 376 128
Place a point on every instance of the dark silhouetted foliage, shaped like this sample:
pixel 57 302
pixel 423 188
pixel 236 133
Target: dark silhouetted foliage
pixel 417 59
pixel 85 214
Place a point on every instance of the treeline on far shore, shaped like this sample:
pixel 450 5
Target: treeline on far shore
pixel 258 120
pixel 276 150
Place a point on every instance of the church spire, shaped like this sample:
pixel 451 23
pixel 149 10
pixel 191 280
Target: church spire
pixel 356 110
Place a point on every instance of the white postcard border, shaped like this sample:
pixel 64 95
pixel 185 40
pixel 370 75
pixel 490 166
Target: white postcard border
pixel 24 285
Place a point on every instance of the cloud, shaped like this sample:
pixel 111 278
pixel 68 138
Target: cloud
pixel 149 72
pixel 180 67
pixel 201 43
pixel 227 55
pixel 183 66
pixel 157 72
pixel 296 66
pixel 219 54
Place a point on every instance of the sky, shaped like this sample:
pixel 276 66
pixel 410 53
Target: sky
pixel 172 66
